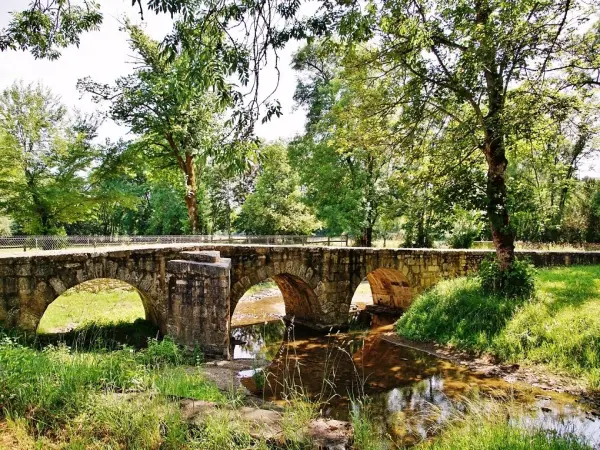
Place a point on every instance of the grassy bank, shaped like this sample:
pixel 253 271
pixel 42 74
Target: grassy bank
pixel 97 301
pixel 558 328
pixel 81 399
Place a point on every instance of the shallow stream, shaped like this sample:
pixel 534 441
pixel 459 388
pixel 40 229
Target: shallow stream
pixel 408 394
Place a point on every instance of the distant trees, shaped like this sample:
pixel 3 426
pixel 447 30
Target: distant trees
pixel 43 156
pixel 177 117
pixel 275 206
pixel 424 117
pixel 346 149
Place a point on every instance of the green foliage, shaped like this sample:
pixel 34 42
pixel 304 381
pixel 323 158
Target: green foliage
pixel 517 281
pixel 135 423
pixel 366 434
pixel 275 206
pixel 457 312
pixel 50 387
pixel 161 353
pixel 44 155
pixel 45 28
pixel 466 228
pixel 180 382
pixel 179 118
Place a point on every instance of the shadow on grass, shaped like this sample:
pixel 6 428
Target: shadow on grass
pixel 103 336
pixel 569 286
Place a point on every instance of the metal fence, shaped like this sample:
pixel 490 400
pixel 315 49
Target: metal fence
pixel 63 242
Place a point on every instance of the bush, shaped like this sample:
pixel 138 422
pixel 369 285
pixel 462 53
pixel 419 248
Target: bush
pixel 467 226
pixel 161 353
pixel 515 282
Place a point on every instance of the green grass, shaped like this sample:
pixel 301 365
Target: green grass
pixel 474 434
pixel 259 287
pixel 50 388
pixel 559 327
pixel 97 301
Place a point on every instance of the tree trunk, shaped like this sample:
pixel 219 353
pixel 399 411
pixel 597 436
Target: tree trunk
pixel 366 240
pixel 191 195
pixel 493 145
pixel 502 234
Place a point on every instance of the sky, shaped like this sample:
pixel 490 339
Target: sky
pixel 104 55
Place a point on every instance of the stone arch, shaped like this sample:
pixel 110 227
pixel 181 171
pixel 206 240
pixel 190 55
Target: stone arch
pixel 390 288
pixel 41 293
pixel 296 282
pixel 143 297
pixel 392 283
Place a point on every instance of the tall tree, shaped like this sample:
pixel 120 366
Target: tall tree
pixel 177 116
pixel 346 148
pixel 275 206
pixel 469 54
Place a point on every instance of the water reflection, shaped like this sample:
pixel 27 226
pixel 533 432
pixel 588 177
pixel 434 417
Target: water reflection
pixel 260 342
pixel 410 393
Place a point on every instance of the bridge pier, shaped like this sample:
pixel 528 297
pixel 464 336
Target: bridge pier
pixel 198 302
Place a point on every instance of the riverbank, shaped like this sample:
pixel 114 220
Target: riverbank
pixel 289 388
pixel 551 340
pixel 380 396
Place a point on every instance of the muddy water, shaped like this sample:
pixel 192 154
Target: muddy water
pixel 410 393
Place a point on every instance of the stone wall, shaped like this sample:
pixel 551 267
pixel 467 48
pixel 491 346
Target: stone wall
pixel 29 283
pixel 318 283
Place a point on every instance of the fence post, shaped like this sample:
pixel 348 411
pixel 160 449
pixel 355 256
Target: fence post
pixel 36 243
pixel 328 241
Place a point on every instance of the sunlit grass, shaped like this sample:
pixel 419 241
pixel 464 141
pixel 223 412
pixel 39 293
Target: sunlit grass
pixel 97 301
pixel 559 328
pixel 486 426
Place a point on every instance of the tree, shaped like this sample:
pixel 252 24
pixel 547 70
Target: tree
pixel 177 116
pixel 547 138
pixel 42 160
pixel 47 26
pixel 275 206
pixel 346 148
pixel 468 54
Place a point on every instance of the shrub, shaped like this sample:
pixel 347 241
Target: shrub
pixel 161 353
pixel 467 226
pixel 181 383
pixel 517 281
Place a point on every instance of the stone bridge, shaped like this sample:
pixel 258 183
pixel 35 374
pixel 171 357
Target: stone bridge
pixel 190 291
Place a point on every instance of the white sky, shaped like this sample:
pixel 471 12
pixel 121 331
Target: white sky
pixel 104 55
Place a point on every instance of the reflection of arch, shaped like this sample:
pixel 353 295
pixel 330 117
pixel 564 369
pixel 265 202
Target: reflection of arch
pixel 296 282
